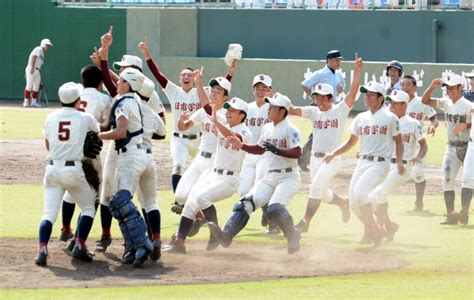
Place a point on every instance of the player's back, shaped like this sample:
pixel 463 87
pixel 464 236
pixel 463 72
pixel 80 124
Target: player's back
pixel 66 131
pixel 95 103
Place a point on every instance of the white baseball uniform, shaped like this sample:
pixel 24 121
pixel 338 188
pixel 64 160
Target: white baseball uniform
pixel 223 181
pixel 33 81
pixel 376 132
pixel 421 112
pixel 152 124
pixel 98 105
pixel 412 133
pixel 328 126
pixel 182 142
pixel 155 103
pixel 454 114
pixel 468 167
pixel 282 180
pixel 66 131
pixel 202 164
pixel 253 169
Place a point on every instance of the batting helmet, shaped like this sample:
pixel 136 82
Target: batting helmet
pixel 394 64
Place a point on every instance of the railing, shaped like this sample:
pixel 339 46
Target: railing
pixel 289 4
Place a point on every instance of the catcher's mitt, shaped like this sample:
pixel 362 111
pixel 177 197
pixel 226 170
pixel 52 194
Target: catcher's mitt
pixel 92 145
pixel 92 175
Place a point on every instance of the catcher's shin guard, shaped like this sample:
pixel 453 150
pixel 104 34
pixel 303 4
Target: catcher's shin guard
pixel 131 224
pixel 240 216
pixel 278 214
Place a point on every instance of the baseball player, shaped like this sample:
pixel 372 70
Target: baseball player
pixel 421 112
pixel 201 166
pixel 457 111
pixel 33 75
pixel 467 178
pixel 414 150
pixel 469 94
pixel 280 145
pixel 331 75
pixel 394 71
pixel 97 104
pixel 328 122
pixel 224 180
pixel 379 132
pixel 64 133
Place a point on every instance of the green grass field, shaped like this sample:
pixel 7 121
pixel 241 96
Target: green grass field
pixel 439 260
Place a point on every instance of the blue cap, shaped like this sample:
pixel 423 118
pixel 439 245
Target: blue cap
pixel 333 54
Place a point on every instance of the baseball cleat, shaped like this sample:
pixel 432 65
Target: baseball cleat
pixel 174 248
pixel 463 218
pixel 212 244
pixel 36 105
pixel 302 226
pixel 42 257
pixel 102 244
pixel 366 238
pixel 65 235
pixel 128 256
pixel 71 245
pixel 26 104
pixel 418 206
pixel 222 237
pixel 141 255
pixel 81 254
pixel 451 219
pixel 294 242
pixel 156 253
pixel 391 232
pixel 196 226
pixel 177 209
pixel 377 236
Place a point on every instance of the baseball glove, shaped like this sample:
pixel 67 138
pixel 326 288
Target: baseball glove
pixel 92 145
pixel 305 158
pixel 91 173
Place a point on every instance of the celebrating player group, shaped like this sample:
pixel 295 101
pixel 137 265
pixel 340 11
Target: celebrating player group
pixel 249 149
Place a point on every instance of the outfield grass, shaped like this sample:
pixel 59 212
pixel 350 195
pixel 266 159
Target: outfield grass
pixel 28 123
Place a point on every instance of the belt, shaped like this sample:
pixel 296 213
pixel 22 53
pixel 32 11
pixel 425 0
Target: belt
pixel 67 163
pixel 206 154
pixel 319 154
pixel 223 172
pixel 394 161
pixel 373 158
pixel 148 151
pixel 124 149
pixel 287 170
pixel 187 136
pixel 458 143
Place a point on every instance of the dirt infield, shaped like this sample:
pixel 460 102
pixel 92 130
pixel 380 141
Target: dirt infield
pixel 239 262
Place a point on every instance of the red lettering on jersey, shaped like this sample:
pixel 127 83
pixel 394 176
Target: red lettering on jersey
pixel 383 130
pixel 82 106
pixel 375 129
pixel 176 105
pixel 64 133
pixel 406 137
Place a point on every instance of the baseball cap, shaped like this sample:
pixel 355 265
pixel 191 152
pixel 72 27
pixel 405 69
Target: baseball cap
pixel 128 61
pixel 222 82
pixel 265 79
pixel 69 92
pixel 234 52
pixel 134 77
pixel 237 103
pixel 373 86
pixel 147 88
pixel 469 75
pixel 452 80
pixel 45 42
pixel 322 89
pixel 279 100
pixel 398 96
pixel 333 54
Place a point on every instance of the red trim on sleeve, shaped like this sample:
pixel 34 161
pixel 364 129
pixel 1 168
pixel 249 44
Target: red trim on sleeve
pixel 208 109
pixel 156 72
pixel 253 149
pixel 108 82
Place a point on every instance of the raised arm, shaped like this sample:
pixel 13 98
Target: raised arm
pixel 231 70
pixel 143 46
pixel 426 99
pixel 358 66
pixel 203 98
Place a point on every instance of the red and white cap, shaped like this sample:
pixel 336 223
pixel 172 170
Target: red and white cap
pixel 452 80
pixel 322 89
pixel 128 61
pixel 373 86
pixel 70 92
pixel 262 78
pixel 45 42
pixel 222 82
pixel 398 96
pixel 279 100
pixel 237 103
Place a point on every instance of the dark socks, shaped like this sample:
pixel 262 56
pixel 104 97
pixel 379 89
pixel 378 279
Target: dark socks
pixel 449 201
pixel 67 212
pixel 105 219
pixel 45 229
pixel 83 229
pixel 174 181
pixel 185 225
pixel 466 197
pixel 154 219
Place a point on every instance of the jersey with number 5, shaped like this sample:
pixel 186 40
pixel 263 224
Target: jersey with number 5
pixel 66 131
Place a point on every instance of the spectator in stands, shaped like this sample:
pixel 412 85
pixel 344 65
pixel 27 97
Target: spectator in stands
pixel 469 94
